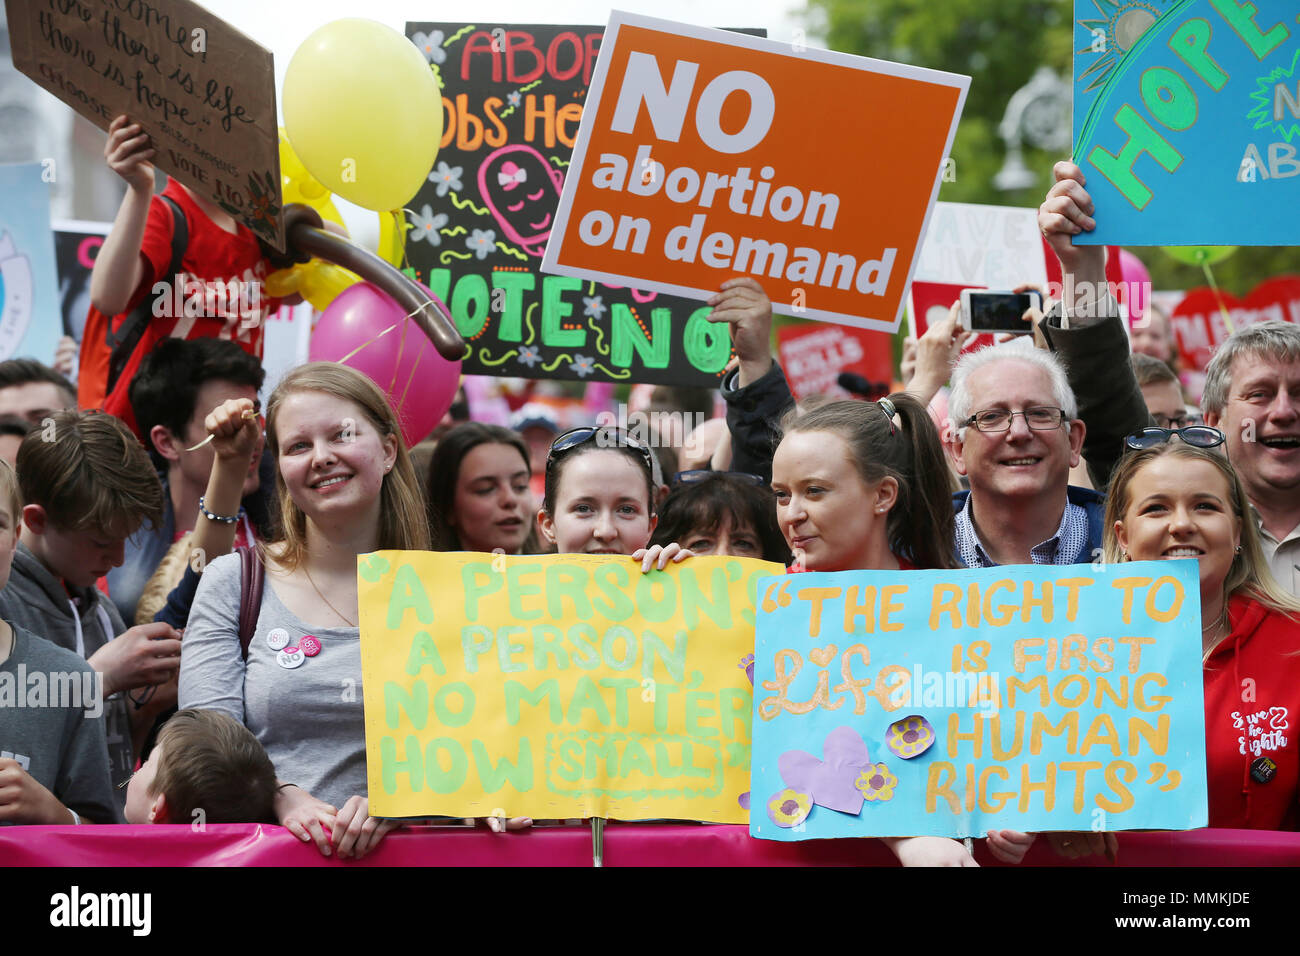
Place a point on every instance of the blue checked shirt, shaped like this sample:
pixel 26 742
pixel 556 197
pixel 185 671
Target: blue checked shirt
pixel 1064 547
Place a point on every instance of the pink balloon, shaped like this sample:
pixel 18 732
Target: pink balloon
pixel 1137 285
pixel 366 330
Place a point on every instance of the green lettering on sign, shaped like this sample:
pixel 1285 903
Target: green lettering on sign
pixel 707 344
pixel 407 594
pixel 626 334
pixel 555 310
pixel 515 284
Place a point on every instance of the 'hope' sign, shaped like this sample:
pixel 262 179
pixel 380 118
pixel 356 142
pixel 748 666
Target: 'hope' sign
pixel 716 154
pixel 1187 123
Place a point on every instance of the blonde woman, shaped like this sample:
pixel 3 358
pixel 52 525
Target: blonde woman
pixel 345 487
pixel 1174 501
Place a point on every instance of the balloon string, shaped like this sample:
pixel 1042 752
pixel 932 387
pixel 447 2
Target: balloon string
pixel 344 359
pixel 397 363
pixel 1218 297
pixel 410 315
pixel 401 401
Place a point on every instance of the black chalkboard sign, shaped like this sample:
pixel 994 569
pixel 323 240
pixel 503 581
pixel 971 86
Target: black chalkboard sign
pixel 512 100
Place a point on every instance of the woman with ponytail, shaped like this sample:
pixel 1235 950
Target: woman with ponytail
pixel 865 485
pixel 886 453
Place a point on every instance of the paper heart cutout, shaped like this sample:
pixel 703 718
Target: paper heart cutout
pixel 1198 319
pixel 830 780
pixel 821 656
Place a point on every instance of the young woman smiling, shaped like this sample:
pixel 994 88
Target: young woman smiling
pixel 864 485
pixel 1177 501
pixel 346 487
pixel 601 485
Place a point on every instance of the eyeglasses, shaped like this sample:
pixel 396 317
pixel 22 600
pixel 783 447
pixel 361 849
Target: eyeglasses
pixel 1041 418
pixel 700 474
pixel 606 436
pixel 1172 421
pixel 1202 436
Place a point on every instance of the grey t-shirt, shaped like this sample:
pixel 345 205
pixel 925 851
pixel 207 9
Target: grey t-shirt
pixel 309 718
pixel 58 736
pixel 36 600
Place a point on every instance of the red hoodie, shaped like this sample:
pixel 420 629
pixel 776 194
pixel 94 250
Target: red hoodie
pixel 1252 697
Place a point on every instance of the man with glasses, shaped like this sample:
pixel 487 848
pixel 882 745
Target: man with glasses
pixel 1015 434
pixel 1160 391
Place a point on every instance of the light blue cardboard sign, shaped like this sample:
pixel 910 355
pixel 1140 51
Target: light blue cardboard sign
pixel 950 703
pixel 1187 120
pixel 31 320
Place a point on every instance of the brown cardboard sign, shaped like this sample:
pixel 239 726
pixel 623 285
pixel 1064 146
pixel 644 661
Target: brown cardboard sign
pixel 201 89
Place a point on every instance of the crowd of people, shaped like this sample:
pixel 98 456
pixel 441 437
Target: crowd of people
pixel 193 556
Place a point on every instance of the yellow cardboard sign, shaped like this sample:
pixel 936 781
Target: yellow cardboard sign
pixel 557 685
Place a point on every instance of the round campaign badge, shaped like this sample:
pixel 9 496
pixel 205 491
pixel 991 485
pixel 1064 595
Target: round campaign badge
pixel 1262 770
pixel 277 639
pixel 290 657
pixel 309 645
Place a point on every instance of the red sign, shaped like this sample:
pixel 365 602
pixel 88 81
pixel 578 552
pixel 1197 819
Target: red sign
pixel 1200 326
pixel 931 302
pixel 814 353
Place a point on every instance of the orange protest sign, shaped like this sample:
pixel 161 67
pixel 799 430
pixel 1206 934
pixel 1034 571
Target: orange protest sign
pixel 704 155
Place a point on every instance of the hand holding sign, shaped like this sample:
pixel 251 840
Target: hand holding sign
pixel 1066 212
pixel 744 305
pixel 128 152
pixel 931 851
pixel 1010 846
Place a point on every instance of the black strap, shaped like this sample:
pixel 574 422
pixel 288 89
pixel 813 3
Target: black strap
pixel 122 342
pixel 250 595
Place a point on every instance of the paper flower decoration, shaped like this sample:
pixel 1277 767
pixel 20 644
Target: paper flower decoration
pixel 909 737
pixel 829 781
pixel 789 808
pixel 876 783
pixel 747 662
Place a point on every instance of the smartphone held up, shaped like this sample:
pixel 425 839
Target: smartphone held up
pixel 984 310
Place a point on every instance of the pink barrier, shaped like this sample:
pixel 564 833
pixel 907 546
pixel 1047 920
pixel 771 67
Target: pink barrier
pixel 625 845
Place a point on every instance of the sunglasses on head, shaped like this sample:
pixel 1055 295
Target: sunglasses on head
pixel 1202 436
pixel 700 474
pixel 606 436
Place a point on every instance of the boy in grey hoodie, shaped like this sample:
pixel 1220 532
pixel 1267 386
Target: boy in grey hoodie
pixel 88 485
pixel 53 759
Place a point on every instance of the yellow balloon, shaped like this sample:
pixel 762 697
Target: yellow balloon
pixel 317 281
pixel 364 112
pixel 322 282
pixel 282 282
pixel 392 237
pixel 300 186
